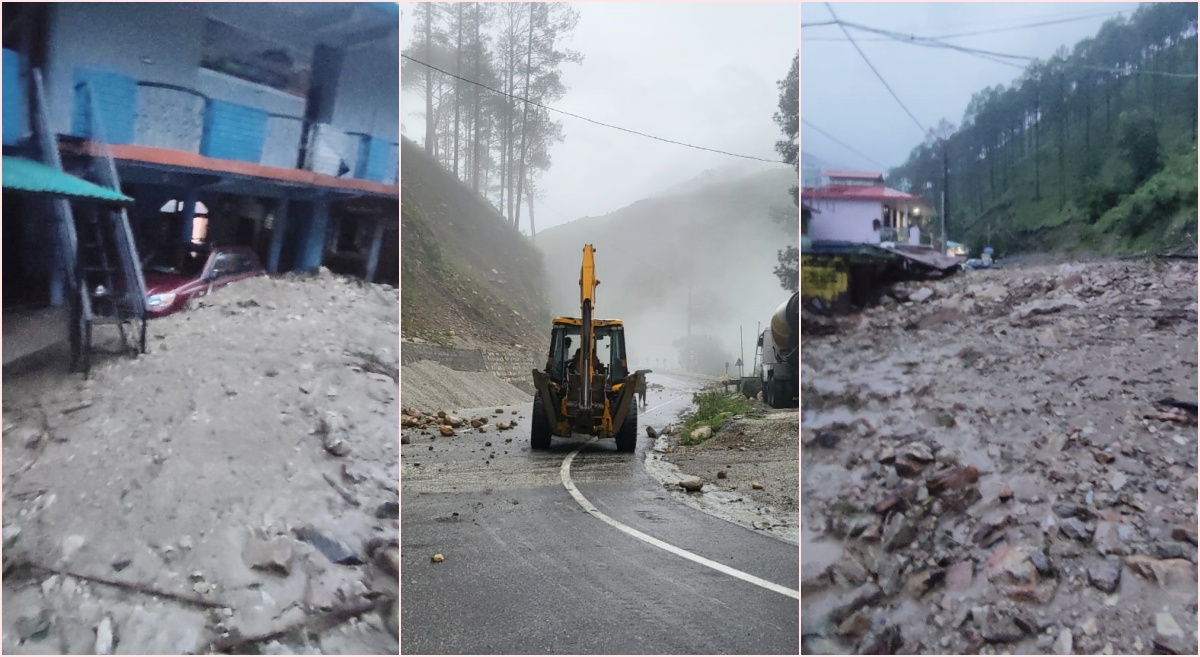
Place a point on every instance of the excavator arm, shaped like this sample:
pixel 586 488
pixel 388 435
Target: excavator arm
pixel 587 302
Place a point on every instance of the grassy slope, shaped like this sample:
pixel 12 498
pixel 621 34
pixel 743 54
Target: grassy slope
pixel 464 269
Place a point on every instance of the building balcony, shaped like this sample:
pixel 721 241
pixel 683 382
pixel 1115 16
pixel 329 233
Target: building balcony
pixel 174 118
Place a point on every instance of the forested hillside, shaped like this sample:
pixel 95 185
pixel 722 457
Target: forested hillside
pixel 1093 150
pixel 462 56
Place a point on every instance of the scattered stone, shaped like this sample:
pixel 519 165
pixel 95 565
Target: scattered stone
pixel 1165 625
pixel 437 558
pixel 388 510
pixel 11 532
pixel 960 575
pixel 1174 550
pixel 1010 564
pixel 1090 627
pixel 1105 575
pixel 651 432
pixel 907 468
pixel 860 597
pixel 1065 643
pixel 104 636
pixel 272 555
pixel 721 474
pixel 756 485
pixel 405 440
pixel 1166 572
pixel 855 626
pixel 1073 528
pixel 334 550
pixel 692 484
pixel 1001 630
pixel 1178 533
pixel 701 433
pixel 921 295
pixel 121 564
pixel 446 430
pixel 1006 493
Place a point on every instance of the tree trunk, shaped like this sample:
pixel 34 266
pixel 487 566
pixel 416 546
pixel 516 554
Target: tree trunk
pixel 429 79
pixel 457 84
pixel 532 224
pixel 524 121
pixel 476 162
pixel 1037 146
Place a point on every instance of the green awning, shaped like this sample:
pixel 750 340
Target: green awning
pixel 28 176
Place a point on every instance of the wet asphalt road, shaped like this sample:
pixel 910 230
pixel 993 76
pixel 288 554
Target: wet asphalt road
pixel 527 570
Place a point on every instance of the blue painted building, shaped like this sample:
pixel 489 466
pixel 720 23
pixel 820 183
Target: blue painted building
pixel 273 125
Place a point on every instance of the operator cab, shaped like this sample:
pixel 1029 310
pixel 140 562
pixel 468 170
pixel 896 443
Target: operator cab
pixel 565 343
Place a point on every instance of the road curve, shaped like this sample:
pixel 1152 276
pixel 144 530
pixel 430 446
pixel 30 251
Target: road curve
pixel 528 570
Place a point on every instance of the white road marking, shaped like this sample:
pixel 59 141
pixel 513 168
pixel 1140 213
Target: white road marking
pixel 666 403
pixel 565 471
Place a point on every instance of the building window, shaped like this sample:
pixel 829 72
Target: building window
pixel 233 51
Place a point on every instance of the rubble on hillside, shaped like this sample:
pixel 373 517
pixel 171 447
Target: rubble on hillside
pixel 234 489
pixel 1003 463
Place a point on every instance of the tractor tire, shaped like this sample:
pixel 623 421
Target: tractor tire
pixel 777 394
pixel 627 435
pixel 539 433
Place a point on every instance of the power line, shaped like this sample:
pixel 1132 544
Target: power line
pixel 842 144
pixel 933 42
pixel 584 118
pixel 1028 25
pixel 877 74
pixel 995 30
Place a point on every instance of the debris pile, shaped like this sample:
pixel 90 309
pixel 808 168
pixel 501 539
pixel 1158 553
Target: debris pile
pixel 1006 466
pixel 234 489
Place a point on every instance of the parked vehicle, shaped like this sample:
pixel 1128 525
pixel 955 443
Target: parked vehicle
pixel 779 347
pixel 177 274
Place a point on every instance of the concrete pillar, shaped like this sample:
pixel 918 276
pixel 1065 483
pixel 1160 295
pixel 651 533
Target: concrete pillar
pixel 58 278
pixel 189 213
pixel 373 257
pixel 278 226
pixel 313 245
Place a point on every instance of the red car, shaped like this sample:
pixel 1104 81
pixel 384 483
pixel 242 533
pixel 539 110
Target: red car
pixel 174 275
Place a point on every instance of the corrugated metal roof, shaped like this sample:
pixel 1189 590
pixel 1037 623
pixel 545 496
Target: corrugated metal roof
pixel 28 176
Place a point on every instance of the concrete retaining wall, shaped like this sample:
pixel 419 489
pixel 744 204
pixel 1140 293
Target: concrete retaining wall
pixel 514 366
pixel 511 365
pixel 463 360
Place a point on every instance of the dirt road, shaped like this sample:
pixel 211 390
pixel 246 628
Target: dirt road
pixel 238 479
pixel 987 470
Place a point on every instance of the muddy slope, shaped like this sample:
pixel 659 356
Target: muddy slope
pixel 987 470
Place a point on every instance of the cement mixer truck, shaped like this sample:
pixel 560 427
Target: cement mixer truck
pixel 779 348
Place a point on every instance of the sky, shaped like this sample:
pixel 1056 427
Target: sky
pixel 840 95
pixel 701 73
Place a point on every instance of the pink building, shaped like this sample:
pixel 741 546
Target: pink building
pixel 855 206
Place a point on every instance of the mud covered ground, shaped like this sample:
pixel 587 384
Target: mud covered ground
pixel 238 479
pixel 986 469
pixel 749 468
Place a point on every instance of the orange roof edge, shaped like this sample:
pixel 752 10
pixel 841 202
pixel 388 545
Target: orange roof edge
pixel 170 157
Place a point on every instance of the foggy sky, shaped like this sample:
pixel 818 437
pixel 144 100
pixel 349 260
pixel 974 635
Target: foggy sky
pixel 699 73
pixel 840 94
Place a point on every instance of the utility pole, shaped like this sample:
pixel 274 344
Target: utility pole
pixel 688 366
pixel 741 354
pixel 945 184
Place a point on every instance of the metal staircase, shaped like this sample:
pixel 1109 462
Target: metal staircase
pixel 104 276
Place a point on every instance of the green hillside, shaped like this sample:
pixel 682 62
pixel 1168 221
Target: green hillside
pixel 1093 150
pixel 464 269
